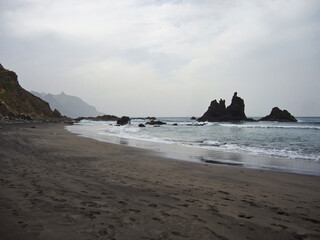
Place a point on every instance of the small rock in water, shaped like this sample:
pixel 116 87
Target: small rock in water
pixel 141 125
pixel 279 115
pixel 155 123
pixel 124 120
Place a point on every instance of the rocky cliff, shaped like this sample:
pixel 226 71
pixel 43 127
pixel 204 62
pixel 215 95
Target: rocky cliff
pixel 217 111
pixel 17 103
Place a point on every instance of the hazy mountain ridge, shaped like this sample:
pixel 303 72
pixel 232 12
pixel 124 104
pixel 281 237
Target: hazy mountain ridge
pixel 18 103
pixel 70 106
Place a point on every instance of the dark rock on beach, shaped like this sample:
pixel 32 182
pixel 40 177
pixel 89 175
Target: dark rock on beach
pixel 279 115
pixel 217 111
pixel 123 121
pixel 152 122
pixel 151 118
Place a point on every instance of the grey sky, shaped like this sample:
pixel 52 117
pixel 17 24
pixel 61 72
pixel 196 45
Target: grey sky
pixel 167 58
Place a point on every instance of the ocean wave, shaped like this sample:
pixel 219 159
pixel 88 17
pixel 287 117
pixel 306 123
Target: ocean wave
pixel 122 129
pixel 171 135
pixel 282 153
pixel 270 126
pixel 134 133
pixel 93 123
pixel 212 143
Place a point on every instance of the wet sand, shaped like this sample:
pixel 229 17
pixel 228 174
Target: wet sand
pixel 56 185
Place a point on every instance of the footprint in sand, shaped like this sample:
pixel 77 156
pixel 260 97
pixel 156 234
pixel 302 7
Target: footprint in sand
pixel 134 210
pixel 153 205
pixel 165 214
pixel 122 203
pixel 157 219
pixel 242 215
pixel 108 232
pixel 92 214
pixel 183 205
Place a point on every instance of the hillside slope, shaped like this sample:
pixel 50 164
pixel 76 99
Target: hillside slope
pixel 69 106
pixel 16 102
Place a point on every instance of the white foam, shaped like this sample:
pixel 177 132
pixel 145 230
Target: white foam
pixel 283 153
pixel 212 143
pixel 133 132
pixel 149 134
pixel 93 123
pixel 269 126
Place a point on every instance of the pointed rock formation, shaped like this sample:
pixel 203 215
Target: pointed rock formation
pixel 217 111
pixel 236 108
pixel 279 115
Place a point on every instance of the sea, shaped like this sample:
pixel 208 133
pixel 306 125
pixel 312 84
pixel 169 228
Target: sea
pixel 277 146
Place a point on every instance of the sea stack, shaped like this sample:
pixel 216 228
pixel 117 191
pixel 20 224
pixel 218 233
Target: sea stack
pixel 217 111
pixel 123 121
pixel 279 115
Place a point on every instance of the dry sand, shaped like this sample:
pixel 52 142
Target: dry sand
pixel 56 185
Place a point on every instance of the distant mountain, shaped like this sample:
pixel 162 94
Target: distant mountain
pixel 69 106
pixel 17 103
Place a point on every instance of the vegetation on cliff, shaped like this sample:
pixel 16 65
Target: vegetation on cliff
pixel 17 103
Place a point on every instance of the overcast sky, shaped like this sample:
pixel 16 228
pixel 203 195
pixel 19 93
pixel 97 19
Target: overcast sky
pixel 167 58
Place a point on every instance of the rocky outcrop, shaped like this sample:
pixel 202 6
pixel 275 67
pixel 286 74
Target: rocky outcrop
pixel 144 118
pixel 193 118
pixel 152 122
pixel 151 118
pixel 17 103
pixel 99 118
pixel 279 115
pixel 217 111
pixel 123 121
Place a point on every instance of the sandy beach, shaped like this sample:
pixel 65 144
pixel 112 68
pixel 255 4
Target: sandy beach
pixel 56 185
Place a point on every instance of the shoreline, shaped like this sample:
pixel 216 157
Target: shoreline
pixel 202 155
pixel 57 185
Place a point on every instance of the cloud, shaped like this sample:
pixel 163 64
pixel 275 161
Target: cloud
pixel 139 56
